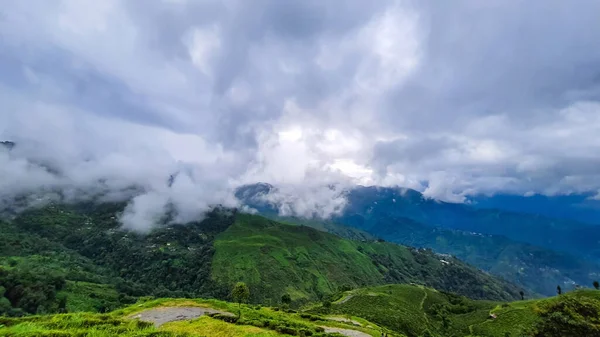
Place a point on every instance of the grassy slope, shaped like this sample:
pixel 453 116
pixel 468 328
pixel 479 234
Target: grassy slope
pixel 413 310
pixel 274 259
pixel 255 322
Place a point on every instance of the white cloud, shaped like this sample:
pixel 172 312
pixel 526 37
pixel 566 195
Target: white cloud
pixel 449 99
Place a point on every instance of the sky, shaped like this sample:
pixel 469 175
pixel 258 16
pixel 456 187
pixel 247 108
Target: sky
pixel 450 98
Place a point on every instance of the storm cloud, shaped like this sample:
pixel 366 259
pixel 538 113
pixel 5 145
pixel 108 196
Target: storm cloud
pixel 452 99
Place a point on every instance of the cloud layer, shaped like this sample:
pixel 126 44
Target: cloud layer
pixel 450 99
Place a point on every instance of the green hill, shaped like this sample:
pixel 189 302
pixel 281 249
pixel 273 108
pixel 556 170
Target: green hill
pixel 53 258
pixel 275 259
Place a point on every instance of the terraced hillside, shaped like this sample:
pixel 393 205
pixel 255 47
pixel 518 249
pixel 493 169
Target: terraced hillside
pixel 395 310
pixel 420 311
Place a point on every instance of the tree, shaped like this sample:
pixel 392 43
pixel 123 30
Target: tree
pixel 559 290
pixel 596 285
pixel 4 305
pixel 286 299
pixel 522 293
pixel 240 294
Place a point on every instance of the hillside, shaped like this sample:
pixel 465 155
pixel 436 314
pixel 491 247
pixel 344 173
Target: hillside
pixel 52 258
pixel 535 268
pixel 418 311
pixel 277 258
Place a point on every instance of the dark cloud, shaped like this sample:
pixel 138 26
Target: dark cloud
pixel 451 98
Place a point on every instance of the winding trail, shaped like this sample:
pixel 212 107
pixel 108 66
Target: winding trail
pixel 160 316
pixel 346 299
pixel 422 304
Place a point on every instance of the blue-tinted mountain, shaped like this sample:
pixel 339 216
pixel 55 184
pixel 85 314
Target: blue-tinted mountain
pixel 578 207
pixel 564 235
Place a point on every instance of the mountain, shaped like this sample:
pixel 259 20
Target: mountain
pixel 579 207
pixel 7 145
pixel 535 268
pixel 405 216
pixel 557 234
pixel 53 257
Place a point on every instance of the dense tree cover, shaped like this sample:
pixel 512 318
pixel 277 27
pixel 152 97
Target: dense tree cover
pixel 170 260
pixel 535 268
pixel 31 290
pixel 569 316
pixel 84 243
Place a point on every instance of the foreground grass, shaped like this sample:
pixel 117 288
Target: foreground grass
pixel 255 321
pixel 79 324
pixel 207 326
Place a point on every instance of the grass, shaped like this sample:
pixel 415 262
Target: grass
pixel 413 310
pixel 207 326
pixel 79 324
pixel 265 319
pixel 90 297
pixel 289 259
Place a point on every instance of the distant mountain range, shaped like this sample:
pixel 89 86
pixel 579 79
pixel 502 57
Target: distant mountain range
pixel 579 207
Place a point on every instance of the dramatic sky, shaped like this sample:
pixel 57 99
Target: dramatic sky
pixel 452 98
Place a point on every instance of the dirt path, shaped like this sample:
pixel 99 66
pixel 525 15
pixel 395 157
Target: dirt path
pixel 346 332
pixel 343 320
pixel 160 316
pixel 346 299
pixel 422 304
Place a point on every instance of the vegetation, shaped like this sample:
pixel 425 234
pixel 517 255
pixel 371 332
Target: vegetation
pixel 69 258
pixel 275 259
pixel 256 322
pixel 240 294
pixel 418 311
pixel 534 252
pixel 536 268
